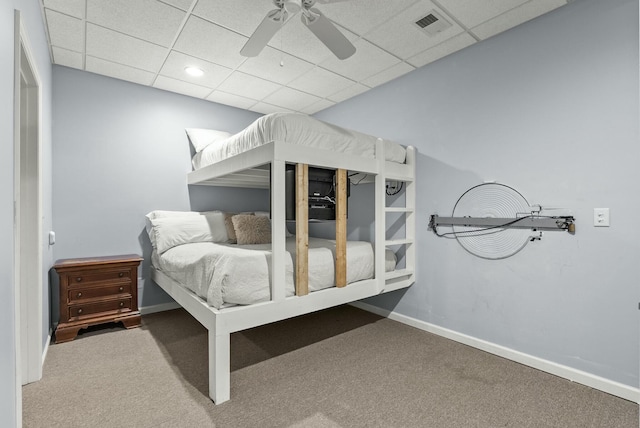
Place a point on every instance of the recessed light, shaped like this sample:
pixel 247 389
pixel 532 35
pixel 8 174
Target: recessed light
pixel 194 71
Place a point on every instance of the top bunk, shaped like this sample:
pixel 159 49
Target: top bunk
pixel 244 159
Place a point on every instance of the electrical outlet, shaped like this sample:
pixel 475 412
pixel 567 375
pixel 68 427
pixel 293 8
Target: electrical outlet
pixel 601 217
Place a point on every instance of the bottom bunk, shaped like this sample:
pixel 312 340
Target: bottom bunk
pixel 226 319
pixel 220 323
pixel 225 274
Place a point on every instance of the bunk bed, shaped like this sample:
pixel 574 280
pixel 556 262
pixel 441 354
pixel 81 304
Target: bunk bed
pixel 256 158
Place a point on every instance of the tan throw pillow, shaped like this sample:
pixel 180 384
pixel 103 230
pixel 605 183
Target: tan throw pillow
pixel 228 224
pixel 252 229
pixel 231 232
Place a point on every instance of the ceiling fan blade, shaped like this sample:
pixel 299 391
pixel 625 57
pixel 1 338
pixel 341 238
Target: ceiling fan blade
pixel 265 32
pixel 328 34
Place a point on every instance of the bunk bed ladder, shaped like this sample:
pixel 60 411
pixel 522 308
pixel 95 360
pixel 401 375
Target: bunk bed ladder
pixel 405 276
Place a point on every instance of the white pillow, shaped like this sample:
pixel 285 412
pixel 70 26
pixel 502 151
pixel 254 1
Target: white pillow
pixel 169 232
pixel 266 214
pixel 201 138
pixel 163 214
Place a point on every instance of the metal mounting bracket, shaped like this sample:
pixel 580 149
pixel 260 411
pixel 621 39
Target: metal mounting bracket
pixel 528 222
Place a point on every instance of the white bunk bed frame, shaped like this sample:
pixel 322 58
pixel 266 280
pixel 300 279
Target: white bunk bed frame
pixel 248 170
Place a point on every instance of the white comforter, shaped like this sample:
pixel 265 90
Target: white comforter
pixel 296 128
pixel 239 274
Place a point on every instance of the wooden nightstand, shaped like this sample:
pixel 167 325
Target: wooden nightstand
pixel 95 291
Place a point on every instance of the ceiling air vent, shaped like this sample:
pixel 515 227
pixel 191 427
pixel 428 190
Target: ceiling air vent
pixel 433 23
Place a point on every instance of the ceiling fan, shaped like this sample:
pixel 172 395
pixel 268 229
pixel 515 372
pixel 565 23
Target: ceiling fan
pixel 315 21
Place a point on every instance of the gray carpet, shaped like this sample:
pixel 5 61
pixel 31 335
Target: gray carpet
pixel 342 367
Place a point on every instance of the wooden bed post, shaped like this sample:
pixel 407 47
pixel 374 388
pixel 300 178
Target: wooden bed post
pixel 302 229
pixel 341 228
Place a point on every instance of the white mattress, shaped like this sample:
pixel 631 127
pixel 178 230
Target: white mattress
pixel 295 128
pixel 225 274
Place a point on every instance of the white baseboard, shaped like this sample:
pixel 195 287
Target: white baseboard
pixel 610 387
pixel 146 310
pixel 46 348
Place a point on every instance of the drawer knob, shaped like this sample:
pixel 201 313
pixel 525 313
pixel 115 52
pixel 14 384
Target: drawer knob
pixel 79 311
pixel 121 289
pixel 79 294
pixel 78 279
pixel 121 304
pixel 121 274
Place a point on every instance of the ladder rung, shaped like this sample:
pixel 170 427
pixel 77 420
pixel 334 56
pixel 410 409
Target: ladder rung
pixel 398 273
pixel 398 210
pixel 393 242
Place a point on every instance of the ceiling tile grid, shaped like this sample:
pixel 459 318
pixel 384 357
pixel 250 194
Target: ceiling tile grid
pixel 152 42
pixel 119 71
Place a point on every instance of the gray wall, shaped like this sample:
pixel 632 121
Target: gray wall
pixel 550 108
pixel 120 151
pixel 32 19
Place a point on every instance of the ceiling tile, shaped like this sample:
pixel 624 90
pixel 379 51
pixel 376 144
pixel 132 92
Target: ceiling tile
pixel 320 82
pixel 65 31
pixel 231 99
pixel 388 74
pixel 276 66
pixel 123 49
pixel 472 13
pixel 211 42
pixel 445 48
pixel 67 58
pixel 291 99
pixel 401 36
pixel 361 16
pixel 70 7
pixel 180 4
pixel 184 88
pixel 148 20
pixel 118 71
pixel 316 107
pixel 248 86
pixel 242 16
pixel 150 42
pixel 265 108
pixel 176 63
pixel 367 61
pixel 345 94
pixel 515 17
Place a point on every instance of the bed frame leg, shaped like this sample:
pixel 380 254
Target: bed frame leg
pixel 219 367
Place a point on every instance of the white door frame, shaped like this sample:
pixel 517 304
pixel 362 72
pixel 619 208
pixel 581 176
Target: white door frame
pixel 28 218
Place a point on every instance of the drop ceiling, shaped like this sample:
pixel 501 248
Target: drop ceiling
pixel 151 42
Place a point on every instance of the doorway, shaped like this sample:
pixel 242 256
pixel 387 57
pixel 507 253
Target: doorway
pixel 28 223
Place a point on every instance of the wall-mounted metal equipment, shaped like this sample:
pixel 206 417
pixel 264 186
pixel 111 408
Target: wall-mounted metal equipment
pixel 495 221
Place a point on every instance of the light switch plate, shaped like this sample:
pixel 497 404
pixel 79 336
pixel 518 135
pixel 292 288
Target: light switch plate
pixel 601 217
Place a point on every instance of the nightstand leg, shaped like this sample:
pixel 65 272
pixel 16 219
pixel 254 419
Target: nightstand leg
pixel 131 321
pixel 219 367
pixel 67 334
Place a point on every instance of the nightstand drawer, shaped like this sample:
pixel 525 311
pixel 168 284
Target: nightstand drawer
pixel 77 294
pixel 84 277
pixel 105 307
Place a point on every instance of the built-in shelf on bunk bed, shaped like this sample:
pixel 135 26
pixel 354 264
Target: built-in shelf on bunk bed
pixel 265 164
